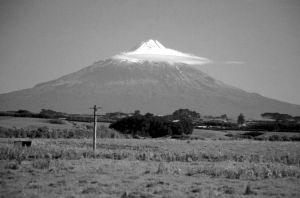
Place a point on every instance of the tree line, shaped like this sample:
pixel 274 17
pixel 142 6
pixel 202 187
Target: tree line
pixel 149 125
pixel 276 121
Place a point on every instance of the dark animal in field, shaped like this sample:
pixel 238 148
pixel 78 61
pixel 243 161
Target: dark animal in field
pixel 23 143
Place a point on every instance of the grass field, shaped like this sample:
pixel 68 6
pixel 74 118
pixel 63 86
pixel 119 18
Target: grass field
pixel 209 134
pixel 212 166
pixel 34 123
pixel 31 123
pixel 150 168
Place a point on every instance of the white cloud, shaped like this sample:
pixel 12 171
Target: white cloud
pixel 154 51
pixel 186 59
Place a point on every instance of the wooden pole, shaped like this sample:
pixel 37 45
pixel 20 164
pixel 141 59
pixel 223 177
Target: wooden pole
pixel 95 108
pixel 95 129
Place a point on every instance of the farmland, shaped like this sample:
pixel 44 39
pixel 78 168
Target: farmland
pixel 210 165
pixel 150 168
pixel 33 123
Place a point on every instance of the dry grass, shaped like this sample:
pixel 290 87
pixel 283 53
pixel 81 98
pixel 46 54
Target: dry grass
pixel 157 150
pixel 244 170
pixel 150 168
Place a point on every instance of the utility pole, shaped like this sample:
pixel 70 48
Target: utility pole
pixel 95 108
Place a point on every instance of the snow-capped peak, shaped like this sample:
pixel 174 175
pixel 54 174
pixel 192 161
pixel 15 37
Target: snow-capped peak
pixel 154 51
pixel 150 45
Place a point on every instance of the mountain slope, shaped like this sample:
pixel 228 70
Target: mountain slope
pixel 160 87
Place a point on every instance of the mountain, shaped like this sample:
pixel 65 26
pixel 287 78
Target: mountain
pixel 151 78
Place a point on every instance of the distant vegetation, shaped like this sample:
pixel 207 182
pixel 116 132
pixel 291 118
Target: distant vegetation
pixel 273 126
pixel 257 135
pixel 241 119
pixel 277 116
pixel 44 113
pixel 51 114
pixel 173 123
pixel 152 126
pixel 277 122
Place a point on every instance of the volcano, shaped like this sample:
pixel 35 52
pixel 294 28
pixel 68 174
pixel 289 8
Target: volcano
pixel 149 78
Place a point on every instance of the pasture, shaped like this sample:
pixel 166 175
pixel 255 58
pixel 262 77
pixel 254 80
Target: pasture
pixel 31 123
pixel 210 164
pixel 150 168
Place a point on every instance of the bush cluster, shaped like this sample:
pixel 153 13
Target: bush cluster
pixel 152 126
pixel 282 138
pixel 274 126
pixel 255 136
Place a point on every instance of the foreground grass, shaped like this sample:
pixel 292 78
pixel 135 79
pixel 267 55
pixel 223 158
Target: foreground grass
pixel 167 150
pixel 150 168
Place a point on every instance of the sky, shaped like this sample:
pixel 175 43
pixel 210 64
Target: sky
pixel 254 44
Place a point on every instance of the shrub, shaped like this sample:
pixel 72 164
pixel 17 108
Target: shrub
pixel 153 126
pixel 5 132
pixel 48 113
pixel 41 163
pixel 295 138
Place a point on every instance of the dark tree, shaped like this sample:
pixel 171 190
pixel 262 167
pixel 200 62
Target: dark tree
pixel 137 112
pixel 48 113
pixel 241 119
pixel 152 126
pixel 149 115
pixel 185 114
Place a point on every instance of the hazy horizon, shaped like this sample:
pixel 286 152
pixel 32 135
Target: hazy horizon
pixel 254 44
